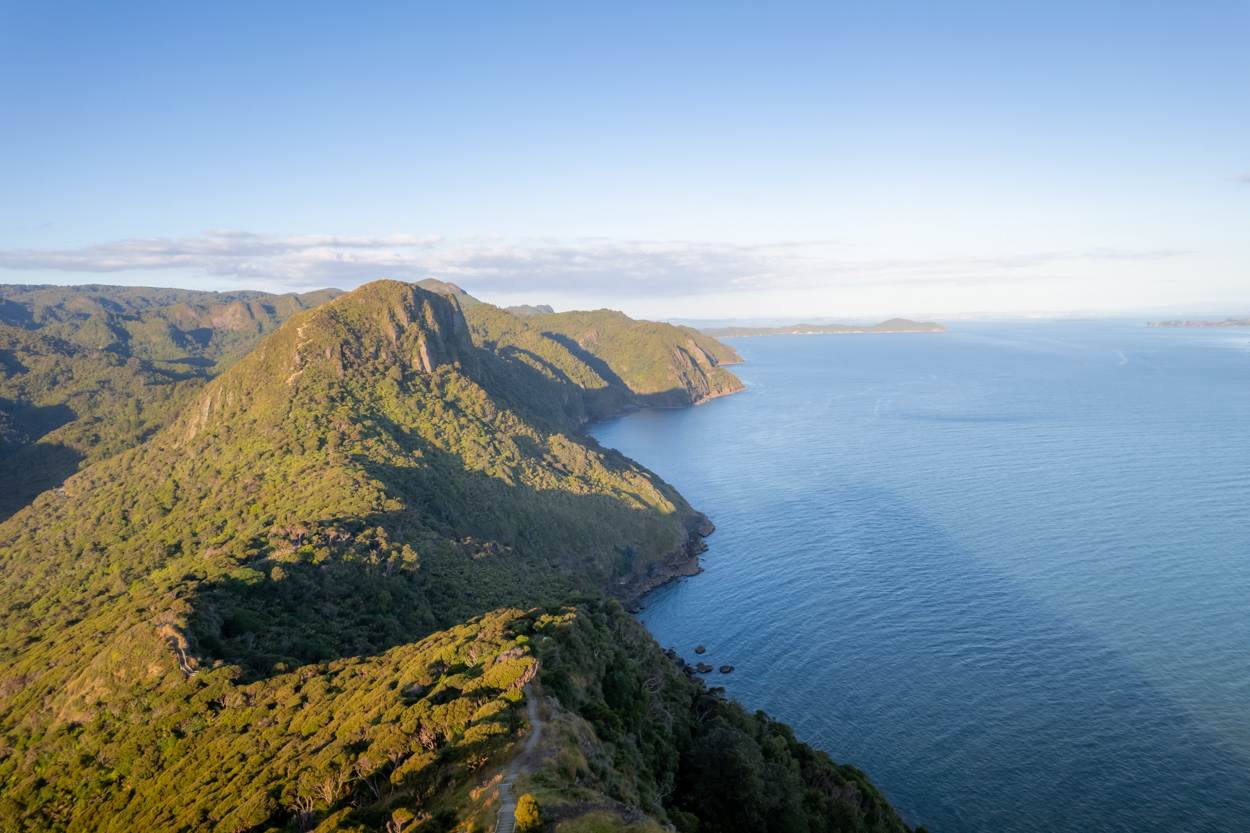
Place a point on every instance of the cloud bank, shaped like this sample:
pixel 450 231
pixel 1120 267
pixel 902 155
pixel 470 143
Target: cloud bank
pixel 583 266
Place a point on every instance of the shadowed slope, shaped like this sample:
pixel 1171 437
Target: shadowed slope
pixel 118 362
pixel 613 361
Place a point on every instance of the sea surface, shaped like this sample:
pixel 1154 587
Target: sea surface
pixel 1005 570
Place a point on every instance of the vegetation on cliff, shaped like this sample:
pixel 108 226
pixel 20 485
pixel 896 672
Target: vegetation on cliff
pixel 613 361
pixel 633 729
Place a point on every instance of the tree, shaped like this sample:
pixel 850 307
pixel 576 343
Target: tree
pixel 529 818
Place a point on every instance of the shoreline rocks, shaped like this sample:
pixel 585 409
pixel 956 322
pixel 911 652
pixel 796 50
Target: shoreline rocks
pixel 682 562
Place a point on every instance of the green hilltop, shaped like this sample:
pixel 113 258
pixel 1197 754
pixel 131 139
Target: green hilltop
pixel 316 593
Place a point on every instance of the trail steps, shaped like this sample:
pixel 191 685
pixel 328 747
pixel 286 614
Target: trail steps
pixel 507 789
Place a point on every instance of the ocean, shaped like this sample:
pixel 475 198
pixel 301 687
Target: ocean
pixel 1005 570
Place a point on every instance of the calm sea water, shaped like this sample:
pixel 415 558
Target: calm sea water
pixel 1005 570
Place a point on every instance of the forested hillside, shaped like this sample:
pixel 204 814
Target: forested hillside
pixel 616 362
pixel 316 597
pixel 86 372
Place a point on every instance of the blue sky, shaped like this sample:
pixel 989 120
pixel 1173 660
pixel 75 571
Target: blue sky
pixel 670 159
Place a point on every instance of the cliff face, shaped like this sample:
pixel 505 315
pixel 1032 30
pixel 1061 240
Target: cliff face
pixel 659 364
pixel 385 327
pixel 601 362
pixel 614 362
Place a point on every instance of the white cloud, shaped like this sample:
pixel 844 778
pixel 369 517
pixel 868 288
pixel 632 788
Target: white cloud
pixel 584 266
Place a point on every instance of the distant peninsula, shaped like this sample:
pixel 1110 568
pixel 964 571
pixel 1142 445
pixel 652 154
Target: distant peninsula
pixel 1227 322
pixel 894 325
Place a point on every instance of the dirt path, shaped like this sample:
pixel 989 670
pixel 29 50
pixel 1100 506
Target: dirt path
pixel 518 765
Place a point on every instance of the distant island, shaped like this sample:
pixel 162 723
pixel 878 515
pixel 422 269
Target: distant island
pixel 894 325
pixel 530 309
pixel 1227 322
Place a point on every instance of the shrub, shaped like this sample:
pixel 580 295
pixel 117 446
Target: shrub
pixel 528 817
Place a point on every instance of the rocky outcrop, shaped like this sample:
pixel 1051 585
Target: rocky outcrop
pixel 682 562
pixel 385 326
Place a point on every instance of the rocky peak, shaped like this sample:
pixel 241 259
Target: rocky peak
pixel 383 327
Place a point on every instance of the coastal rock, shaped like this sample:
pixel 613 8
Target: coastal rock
pixel 703 668
pixel 699 649
pixel 680 563
pixel 726 669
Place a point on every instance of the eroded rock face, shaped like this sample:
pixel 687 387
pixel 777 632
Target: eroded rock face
pixel 381 326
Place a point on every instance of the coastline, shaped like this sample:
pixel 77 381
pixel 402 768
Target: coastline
pixel 683 561
pixel 635 408
pixel 679 563
pixel 703 400
pixel 832 333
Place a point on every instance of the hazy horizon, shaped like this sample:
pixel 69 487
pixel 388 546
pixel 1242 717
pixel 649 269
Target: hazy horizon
pixel 709 321
pixel 710 161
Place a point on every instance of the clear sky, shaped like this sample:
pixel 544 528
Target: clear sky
pixel 670 159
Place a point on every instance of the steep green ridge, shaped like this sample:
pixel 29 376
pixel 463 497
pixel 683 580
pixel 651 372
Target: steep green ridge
pixel 661 364
pixel 86 372
pixel 893 325
pixel 313 598
pixel 617 362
